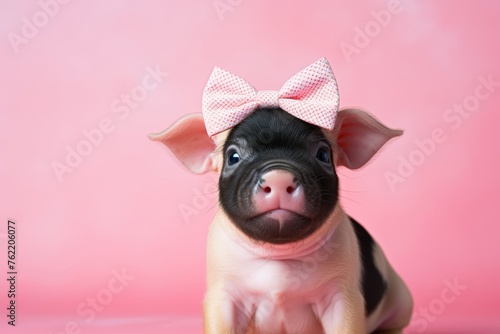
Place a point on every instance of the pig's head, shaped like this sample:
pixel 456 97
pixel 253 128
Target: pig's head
pixel 278 182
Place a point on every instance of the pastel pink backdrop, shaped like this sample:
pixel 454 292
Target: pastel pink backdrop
pixel 129 205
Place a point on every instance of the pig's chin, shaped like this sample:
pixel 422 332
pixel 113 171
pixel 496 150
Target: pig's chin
pixel 279 227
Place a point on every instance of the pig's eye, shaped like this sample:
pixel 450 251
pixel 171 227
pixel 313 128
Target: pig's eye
pixel 323 155
pixel 233 158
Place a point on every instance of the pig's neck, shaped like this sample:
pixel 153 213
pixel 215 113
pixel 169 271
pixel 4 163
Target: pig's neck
pixel 286 251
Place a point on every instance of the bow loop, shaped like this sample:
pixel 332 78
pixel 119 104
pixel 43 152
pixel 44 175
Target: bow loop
pixel 310 95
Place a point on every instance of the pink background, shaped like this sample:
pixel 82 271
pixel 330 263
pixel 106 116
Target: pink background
pixel 129 205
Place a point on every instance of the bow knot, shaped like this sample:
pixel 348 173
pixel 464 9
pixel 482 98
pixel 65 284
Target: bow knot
pixel 268 98
pixel 310 95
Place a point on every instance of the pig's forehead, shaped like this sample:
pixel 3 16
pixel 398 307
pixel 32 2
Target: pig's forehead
pixel 268 122
pixel 263 124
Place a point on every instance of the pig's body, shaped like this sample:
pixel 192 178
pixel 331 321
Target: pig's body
pixel 305 290
pixel 283 257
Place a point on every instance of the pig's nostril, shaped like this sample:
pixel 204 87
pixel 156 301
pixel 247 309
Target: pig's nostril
pixel 278 184
pixel 278 190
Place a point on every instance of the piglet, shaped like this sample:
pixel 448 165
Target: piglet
pixel 282 255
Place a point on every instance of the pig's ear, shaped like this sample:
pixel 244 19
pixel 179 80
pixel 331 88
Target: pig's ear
pixel 359 136
pixel 189 142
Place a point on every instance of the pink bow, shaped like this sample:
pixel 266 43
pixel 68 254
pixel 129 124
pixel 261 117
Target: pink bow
pixel 310 95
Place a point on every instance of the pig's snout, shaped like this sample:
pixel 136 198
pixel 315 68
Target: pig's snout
pixel 279 190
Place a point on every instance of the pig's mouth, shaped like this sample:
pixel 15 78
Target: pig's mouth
pixel 281 215
pixel 279 226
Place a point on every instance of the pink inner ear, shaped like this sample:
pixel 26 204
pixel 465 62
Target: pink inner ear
pixel 359 137
pixel 188 140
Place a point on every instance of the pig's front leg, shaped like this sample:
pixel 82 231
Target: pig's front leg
pixel 344 314
pixel 224 315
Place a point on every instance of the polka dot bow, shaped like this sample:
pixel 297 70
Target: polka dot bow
pixel 310 95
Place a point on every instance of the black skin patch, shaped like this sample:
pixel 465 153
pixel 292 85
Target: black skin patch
pixel 273 139
pixel 374 286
